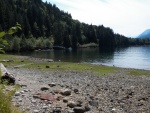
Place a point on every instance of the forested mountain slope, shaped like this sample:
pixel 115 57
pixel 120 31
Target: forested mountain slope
pixel 45 25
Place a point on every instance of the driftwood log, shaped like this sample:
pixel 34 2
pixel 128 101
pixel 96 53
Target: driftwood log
pixel 6 76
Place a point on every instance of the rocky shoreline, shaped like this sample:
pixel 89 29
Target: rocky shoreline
pixel 80 92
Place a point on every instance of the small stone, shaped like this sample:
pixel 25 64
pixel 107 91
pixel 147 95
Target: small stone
pixel 44 107
pixel 94 103
pixel 22 92
pixel 79 103
pixel 114 109
pixel 46 97
pixel 52 84
pixel 79 110
pixel 71 104
pixel 65 100
pixel 56 91
pixel 17 94
pixel 47 66
pixel 87 108
pixel 35 96
pixel 43 88
pixel 70 111
pixel 33 101
pixel 20 100
pixel 36 111
pixel 66 92
pixel 57 110
pixel 23 86
pixel 25 90
pixel 23 95
pixel 76 91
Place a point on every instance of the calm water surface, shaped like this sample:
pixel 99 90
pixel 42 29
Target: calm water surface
pixel 131 57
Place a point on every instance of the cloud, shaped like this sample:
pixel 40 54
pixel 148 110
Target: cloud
pixel 127 17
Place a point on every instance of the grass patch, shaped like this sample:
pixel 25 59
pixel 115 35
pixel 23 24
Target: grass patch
pixel 37 64
pixel 82 67
pixel 139 72
pixel 5 99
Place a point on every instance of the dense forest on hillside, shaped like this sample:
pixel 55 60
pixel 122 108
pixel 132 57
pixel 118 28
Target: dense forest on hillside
pixel 44 25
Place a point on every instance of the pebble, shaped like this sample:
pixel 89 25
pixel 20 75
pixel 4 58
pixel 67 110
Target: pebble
pixel 71 104
pixel 17 94
pixel 25 90
pixel 52 84
pixel 77 97
pixel 79 110
pixel 94 103
pixel 66 92
pixel 20 100
pixel 43 88
pixel 70 111
pixel 65 100
pixel 22 92
pixel 33 101
pixel 57 110
pixel 76 91
pixel 36 111
pixel 47 66
pixel 44 107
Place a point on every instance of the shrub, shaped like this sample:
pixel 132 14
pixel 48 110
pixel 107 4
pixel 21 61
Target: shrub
pixel 5 100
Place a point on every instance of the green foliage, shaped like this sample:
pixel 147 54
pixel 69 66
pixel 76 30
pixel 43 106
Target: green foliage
pixel 11 31
pixel 25 44
pixel 5 101
pixel 2 34
pixel 5 106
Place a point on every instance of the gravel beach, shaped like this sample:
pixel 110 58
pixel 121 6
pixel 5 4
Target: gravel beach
pixel 80 92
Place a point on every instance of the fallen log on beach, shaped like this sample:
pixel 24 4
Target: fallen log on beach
pixel 5 75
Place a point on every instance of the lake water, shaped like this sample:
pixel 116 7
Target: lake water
pixel 131 57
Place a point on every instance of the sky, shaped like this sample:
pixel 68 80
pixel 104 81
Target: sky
pixel 126 17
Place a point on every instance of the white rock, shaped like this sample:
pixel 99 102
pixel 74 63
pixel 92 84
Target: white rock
pixel 33 101
pixel 36 111
pixel 22 92
pixel 44 107
pixel 17 94
pixel 114 109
